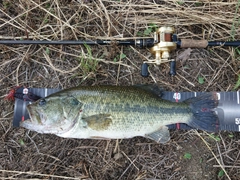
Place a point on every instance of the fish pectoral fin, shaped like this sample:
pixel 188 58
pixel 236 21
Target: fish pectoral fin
pixel 99 121
pixel 160 136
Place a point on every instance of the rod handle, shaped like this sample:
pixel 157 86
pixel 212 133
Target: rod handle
pixel 190 43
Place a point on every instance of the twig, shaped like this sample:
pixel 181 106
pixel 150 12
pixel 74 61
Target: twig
pixel 132 163
pixel 33 143
pixel 226 166
pixel 220 154
pixel 40 174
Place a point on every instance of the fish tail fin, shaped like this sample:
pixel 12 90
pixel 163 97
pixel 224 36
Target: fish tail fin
pixel 204 116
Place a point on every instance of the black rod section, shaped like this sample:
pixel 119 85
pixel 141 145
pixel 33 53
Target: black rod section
pixel 68 42
pixel 138 42
pixel 63 42
pixel 117 42
pixel 224 43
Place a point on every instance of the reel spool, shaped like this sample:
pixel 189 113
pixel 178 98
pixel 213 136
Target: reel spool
pixel 164 43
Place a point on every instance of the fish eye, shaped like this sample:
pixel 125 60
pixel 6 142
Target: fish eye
pixel 42 102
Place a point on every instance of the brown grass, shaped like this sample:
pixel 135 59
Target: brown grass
pixel 26 154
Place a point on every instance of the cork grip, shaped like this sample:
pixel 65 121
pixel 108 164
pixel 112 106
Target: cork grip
pixel 190 43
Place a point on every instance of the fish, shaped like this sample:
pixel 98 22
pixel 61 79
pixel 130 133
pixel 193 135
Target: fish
pixel 118 112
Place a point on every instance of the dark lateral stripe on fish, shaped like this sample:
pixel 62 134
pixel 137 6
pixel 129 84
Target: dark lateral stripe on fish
pixel 143 109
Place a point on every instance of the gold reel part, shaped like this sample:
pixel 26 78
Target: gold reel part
pixel 163 45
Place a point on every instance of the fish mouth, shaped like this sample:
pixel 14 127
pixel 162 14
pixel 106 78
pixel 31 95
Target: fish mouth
pixel 26 122
pixel 34 115
pixel 34 121
pixel 30 115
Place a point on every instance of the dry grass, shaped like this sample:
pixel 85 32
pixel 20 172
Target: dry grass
pixel 26 154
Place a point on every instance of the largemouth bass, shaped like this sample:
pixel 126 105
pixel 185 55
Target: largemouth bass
pixel 117 112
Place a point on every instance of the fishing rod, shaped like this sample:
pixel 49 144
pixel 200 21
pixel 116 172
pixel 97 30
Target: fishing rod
pixel 161 45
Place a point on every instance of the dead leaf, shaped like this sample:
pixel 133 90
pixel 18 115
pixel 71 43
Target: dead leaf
pixel 184 55
pixel 117 156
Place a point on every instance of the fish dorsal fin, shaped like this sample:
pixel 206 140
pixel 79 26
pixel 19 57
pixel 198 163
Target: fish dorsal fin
pixel 160 136
pixel 98 121
pixel 152 88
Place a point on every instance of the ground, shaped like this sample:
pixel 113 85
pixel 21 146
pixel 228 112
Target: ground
pixel 188 155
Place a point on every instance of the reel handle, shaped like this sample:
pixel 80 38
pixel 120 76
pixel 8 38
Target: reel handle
pixel 144 70
pixel 172 71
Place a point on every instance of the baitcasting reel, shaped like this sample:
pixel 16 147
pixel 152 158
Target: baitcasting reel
pixel 164 42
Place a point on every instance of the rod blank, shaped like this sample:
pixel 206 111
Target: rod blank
pixel 64 42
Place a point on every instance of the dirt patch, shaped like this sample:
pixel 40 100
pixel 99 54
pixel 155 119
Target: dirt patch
pixel 25 154
pixel 194 158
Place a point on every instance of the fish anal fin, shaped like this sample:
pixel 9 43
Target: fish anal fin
pixel 162 135
pixel 99 121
